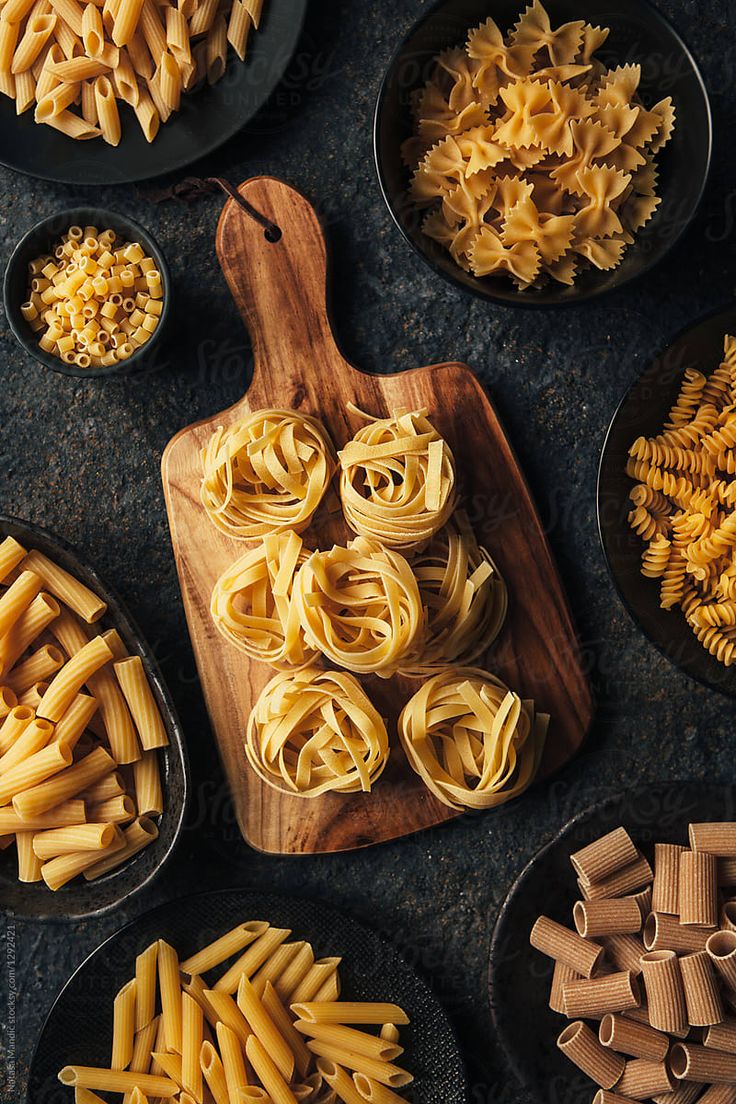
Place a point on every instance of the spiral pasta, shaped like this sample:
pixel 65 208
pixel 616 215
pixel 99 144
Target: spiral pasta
pixel 315 731
pixel 397 479
pixel 252 602
pixel 266 473
pixel 464 598
pixel 360 607
pixel 473 742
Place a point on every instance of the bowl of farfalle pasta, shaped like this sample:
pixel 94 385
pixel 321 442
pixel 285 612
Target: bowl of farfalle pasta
pixel 542 154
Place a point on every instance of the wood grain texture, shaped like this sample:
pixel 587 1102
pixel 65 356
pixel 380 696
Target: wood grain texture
pixel 280 290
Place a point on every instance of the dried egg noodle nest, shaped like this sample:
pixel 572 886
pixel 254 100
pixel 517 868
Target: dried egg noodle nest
pixel 464 597
pixel 266 473
pixel 473 742
pixel 252 602
pixel 397 480
pixel 360 606
pixel 315 731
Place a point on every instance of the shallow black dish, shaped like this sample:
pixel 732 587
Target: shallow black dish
pixel 79 899
pixel 520 977
pixel 371 970
pixel 643 411
pixel 39 240
pixel 638 34
pixel 208 117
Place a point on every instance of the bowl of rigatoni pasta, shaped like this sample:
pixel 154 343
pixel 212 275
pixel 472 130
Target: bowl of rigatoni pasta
pixel 93 771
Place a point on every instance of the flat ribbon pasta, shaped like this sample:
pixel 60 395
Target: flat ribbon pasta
pixel 464 597
pixel 360 607
pixel 252 603
pixel 473 742
pixel 397 479
pixel 312 732
pixel 266 473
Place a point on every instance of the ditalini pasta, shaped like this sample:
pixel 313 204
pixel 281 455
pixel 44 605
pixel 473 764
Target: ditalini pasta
pixel 61 797
pixel 181 1035
pixel 656 987
pixel 531 158
pixel 63 55
pixel 90 302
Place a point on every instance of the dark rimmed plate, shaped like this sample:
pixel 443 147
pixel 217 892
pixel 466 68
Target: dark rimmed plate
pixel 638 33
pixel 79 899
pixel 520 977
pixel 208 117
pixel 643 411
pixel 79 1026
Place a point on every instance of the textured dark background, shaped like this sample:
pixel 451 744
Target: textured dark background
pixel 83 459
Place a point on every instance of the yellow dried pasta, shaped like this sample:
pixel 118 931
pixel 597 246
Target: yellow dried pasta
pixel 315 731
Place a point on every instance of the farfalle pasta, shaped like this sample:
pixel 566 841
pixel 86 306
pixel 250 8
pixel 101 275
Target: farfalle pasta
pixel 531 158
pixel 684 503
pixel 315 732
pixel 266 473
pixel 397 479
pixel 252 602
pixel 473 742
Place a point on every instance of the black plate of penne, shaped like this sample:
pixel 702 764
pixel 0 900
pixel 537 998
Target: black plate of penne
pixel 663 493
pixel 528 992
pixel 274 993
pixel 93 768
pixel 92 97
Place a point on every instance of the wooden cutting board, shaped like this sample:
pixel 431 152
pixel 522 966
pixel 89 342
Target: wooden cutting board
pixel 280 290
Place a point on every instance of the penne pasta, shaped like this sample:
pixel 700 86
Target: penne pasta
pixel 117 1081
pixel 233 1063
pixel 252 959
pixel 38 30
pixel 170 990
pixel 191 1045
pixel 348 1038
pixel 214 1073
pixel 215 953
pixel 108 117
pixel 265 1029
pixel 123 1030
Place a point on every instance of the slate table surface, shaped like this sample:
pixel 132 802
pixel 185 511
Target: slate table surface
pixel 83 459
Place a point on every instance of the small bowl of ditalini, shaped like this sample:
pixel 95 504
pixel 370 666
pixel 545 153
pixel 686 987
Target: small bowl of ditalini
pixel 93 772
pixel 542 154
pixel 87 292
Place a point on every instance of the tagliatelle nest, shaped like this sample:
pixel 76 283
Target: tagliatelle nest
pixel 397 480
pixel 266 473
pixel 360 607
pixel 252 602
pixel 536 161
pixel 464 597
pixel 316 731
pixel 473 742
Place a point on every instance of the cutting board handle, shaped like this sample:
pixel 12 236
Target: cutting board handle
pixel 280 287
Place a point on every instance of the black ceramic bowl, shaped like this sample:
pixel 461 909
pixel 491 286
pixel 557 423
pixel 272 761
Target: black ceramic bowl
pixel 520 977
pixel 643 411
pixel 38 241
pixel 371 969
pixel 638 34
pixel 79 899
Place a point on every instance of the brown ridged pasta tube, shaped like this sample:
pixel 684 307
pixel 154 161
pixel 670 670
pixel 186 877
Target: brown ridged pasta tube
pixel 604 917
pixel 566 946
pixel 642 1078
pixel 722 1036
pixel 604 856
pixel 578 1043
pixel 691 1062
pixel 625 951
pixel 728 916
pixel 698 888
pixel 596 996
pixel 664 933
pixel 716 839
pixel 644 900
pixel 719 1094
pixel 721 948
pixel 561 977
pixel 622 881
pixel 702 998
pixel 666 885
pixel 665 995
pixel 687 1092
pixel 635 1039
pixel 727 872
pixel 604 1096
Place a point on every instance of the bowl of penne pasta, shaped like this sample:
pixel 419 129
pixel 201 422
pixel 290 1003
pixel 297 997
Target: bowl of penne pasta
pixel 87 292
pixel 93 770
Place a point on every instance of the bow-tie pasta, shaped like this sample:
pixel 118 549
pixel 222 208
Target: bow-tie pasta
pixel 532 158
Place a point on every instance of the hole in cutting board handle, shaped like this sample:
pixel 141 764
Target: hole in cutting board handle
pixel 273 234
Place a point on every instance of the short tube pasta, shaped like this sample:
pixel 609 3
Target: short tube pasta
pixel 578 1043
pixel 716 839
pixel 644 1078
pixel 665 995
pixel 607 917
pixel 666 885
pixel 141 702
pixel 624 1036
pixel 592 997
pixel 702 997
pixel 698 897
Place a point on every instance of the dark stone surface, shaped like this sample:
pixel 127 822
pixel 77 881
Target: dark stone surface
pixel 83 458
